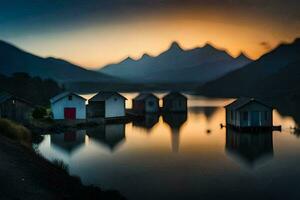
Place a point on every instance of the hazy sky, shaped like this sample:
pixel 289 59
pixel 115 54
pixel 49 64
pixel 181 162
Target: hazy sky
pixel 93 33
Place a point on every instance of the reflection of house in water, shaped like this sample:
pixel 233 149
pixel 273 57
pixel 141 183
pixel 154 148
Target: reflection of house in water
pixel 69 142
pixel 110 135
pixel 207 111
pixel 251 148
pixel 147 122
pixel 175 121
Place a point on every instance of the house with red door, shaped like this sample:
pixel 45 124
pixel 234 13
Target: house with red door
pixel 68 106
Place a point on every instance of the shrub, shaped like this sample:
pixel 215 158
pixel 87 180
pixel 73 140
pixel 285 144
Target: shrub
pixel 39 113
pixel 15 131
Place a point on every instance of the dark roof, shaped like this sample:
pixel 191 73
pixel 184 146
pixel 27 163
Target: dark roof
pixel 174 95
pixel 102 96
pixel 143 96
pixel 4 96
pixel 64 94
pixel 240 102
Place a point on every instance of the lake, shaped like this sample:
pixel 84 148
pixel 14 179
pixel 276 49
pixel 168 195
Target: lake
pixel 183 156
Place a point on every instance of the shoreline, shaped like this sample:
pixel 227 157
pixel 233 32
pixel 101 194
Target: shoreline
pixel 26 175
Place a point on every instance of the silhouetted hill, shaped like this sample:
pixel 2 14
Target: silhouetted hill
pixel 177 66
pixel 33 89
pixel 276 73
pixel 15 60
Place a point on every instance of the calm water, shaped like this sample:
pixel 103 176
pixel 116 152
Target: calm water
pixel 183 156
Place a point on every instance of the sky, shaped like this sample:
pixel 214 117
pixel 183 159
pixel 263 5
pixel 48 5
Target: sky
pixel 93 33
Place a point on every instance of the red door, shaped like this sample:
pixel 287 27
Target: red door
pixel 70 113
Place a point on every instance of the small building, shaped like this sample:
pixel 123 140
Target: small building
pixel 15 108
pixel 174 102
pixel 68 106
pixel 106 105
pixel 145 103
pixel 249 113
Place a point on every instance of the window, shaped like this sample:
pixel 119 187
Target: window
pixel 70 97
pixel 115 99
pixel 231 115
pixel 245 115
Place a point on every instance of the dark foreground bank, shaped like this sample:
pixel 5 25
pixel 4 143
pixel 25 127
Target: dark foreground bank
pixel 25 175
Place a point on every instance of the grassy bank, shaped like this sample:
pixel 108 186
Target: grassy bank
pixel 26 175
pixel 15 132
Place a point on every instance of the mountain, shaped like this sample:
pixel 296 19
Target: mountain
pixel 13 59
pixel 275 73
pixel 177 66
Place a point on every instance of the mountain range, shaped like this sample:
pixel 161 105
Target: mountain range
pixel 277 73
pixel 13 59
pixel 175 65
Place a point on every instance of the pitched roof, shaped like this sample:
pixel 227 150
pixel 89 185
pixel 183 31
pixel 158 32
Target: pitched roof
pixel 174 95
pixel 64 94
pixel 102 96
pixel 143 96
pixel 240 102
pixel 4 96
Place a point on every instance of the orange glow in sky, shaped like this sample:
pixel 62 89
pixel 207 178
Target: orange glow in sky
pixel 95 45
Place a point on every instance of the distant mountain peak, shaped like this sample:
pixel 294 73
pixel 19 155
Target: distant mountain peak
pixel 242 55
pixel 128 59
pixel 175 46
pixel 208 46
pixel 145 55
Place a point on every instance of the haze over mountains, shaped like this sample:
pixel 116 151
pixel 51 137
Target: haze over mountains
pixel 219 74
pixel 176 65
pixel 15 60
pixel 274 74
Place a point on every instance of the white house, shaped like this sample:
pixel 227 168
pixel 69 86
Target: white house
pixel 106 105
pixel 249 112
pixel 69 106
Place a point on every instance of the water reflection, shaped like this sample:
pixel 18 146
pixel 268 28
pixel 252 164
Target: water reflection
pixel 207 111
pixel 147 122
pixel 175 122
pixel 251 149
pixel 68 142
pixel 137 159
pixel 110 136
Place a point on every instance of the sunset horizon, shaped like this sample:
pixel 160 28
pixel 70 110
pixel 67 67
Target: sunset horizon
pixel 93 39
pixel 150 99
